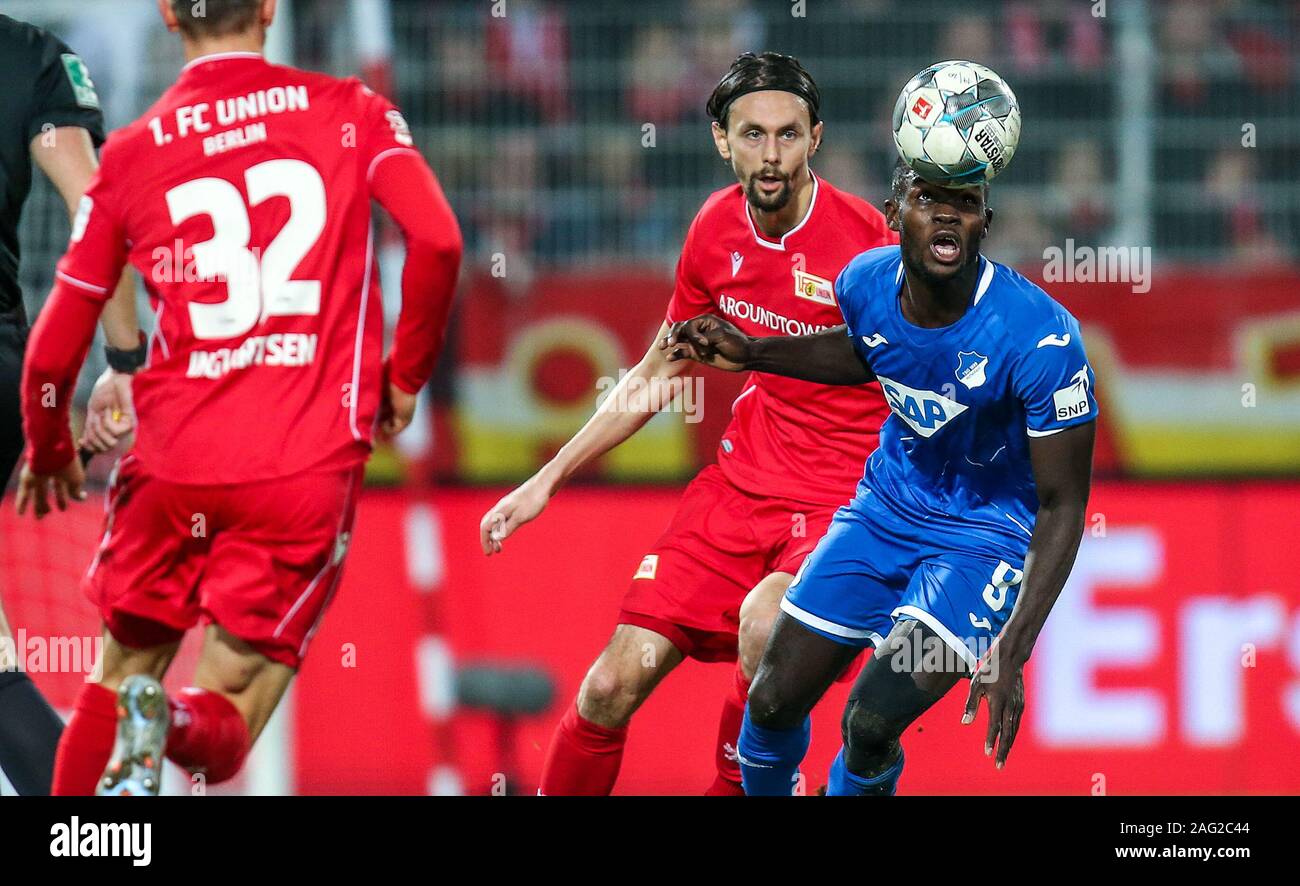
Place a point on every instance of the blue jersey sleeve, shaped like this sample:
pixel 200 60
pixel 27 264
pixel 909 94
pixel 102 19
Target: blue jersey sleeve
pixel 1054 381
pixel 847 297
pixel 853 293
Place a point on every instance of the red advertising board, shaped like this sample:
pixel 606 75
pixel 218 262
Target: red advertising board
pixel 1170 665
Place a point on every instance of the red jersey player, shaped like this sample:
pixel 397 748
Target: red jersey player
pixel 764 253
pixel 243 198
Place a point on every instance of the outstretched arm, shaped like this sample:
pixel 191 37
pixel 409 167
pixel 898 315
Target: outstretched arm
pixel 1062 465
pixel 637 397
pixel 827 358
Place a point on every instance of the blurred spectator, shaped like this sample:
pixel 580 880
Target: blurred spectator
pixel 635 220
pixel 840 165
pixel 1079 190
pixel 1019 234
pixel 1263 56
pixel 509 217
pixel 462 71
pixel 528 56
pixel 660 89
pixel 1192 50
pixel 1231 183
pixel 972 37
pixel 1036 31
pixel 723 29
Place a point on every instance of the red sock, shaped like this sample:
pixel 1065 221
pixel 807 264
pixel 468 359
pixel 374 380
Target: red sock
pixel 727 782
pixel 87 743
pixel 583 759
pixel 208 734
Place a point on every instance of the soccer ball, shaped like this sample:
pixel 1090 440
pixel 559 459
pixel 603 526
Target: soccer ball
pixel 956 123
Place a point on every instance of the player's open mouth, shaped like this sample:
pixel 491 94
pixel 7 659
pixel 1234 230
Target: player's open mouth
pixel 770 184
pixel 945 247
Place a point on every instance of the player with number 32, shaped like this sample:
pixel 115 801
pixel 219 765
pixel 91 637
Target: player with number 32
pixel 243 198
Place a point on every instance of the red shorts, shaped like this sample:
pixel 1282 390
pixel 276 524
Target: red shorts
pixel 262 560
pixel 721 543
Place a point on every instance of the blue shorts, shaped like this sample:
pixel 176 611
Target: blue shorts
pixel 873 568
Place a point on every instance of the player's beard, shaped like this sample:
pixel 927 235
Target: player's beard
pixel 768 202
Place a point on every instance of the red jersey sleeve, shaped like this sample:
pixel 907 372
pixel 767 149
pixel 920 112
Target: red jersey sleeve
pixel 690 298
pixel 384 132
pixel 84 280
pixel 400 179
pixel 404 185
pixel 65 328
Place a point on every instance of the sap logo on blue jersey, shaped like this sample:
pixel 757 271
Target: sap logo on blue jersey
pixel 924 411
pixel 970 368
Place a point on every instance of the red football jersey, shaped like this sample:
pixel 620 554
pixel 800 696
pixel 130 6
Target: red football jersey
pixel 787 438
pixel 243 198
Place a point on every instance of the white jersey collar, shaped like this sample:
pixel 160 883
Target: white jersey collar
pixel 219 56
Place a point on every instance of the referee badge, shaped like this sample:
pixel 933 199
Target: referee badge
pixel 83 88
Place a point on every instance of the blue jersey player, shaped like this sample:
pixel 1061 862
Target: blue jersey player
pixel 969 515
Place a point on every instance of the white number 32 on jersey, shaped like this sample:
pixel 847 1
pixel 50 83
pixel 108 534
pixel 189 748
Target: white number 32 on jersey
pixel 254 290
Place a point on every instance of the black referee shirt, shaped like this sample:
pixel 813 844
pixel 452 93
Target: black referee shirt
pixel 42 84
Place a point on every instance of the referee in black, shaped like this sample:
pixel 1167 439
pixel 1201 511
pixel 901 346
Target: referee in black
pixel 49 113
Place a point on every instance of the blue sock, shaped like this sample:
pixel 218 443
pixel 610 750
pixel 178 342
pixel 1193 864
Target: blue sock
pixel 846 784
pixel 770 758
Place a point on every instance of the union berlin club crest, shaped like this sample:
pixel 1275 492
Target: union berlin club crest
pixel 814 288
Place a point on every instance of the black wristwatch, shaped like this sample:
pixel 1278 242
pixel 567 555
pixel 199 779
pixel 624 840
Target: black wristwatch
pixel 127 361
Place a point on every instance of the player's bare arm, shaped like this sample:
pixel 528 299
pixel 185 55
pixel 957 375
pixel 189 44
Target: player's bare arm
pixel 67 157
pixel 110 412
pixel 1062 465
pixel 826 357
pixel 633 401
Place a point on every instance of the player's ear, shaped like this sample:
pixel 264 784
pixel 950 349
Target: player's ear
pixel 720 141
pixel 988 220
pixel 891 215
pixel 268 12
pixel 168 17
pixel 816 137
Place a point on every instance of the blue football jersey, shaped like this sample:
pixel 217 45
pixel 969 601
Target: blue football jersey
pixel 953 458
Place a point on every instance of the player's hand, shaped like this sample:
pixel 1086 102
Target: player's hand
pixel 1001 680
pixel 110 414
pixel 34 489
pixel 513 511
pixel 709 340
pixel 396 410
